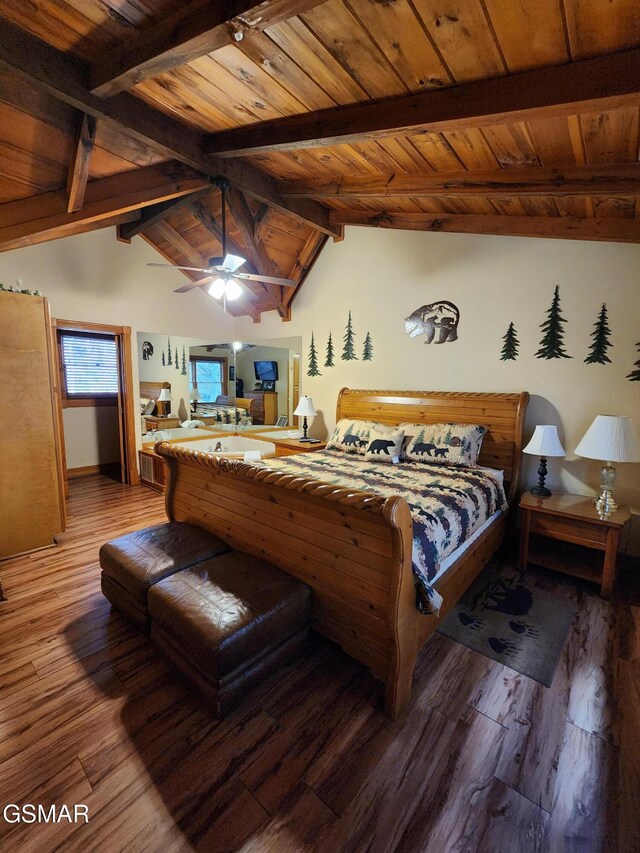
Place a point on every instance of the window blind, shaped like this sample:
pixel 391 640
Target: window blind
pixel 90 364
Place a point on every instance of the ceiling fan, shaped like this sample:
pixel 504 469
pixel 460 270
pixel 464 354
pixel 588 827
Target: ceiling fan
pixel 223 281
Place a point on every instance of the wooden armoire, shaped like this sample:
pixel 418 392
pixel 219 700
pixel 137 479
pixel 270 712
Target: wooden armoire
pixel 32 508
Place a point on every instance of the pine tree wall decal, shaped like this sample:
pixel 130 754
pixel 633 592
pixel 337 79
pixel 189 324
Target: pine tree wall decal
pixel 313 359
pixel 176 361
pixel 169 356
pixel 552 343
pixel 511 344
pixel 634 376
pixel 367 352
pixel 601 341
pixel 329 360
pixel 183 372
pixel 164 360
pixel 348 351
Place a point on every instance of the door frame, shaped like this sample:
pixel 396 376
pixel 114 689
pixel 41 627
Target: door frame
pixel 126 396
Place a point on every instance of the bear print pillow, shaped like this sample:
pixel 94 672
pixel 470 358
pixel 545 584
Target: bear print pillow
pixel 385 444
pixel 444 444
pixel 351 436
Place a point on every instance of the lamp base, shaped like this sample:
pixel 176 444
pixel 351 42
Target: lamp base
pixel 604 503
pixel 540 492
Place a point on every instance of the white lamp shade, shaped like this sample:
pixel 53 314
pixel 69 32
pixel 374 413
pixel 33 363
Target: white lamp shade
pixel 216 288
pixel 305 407
pixel 165 395
pixel 611 438
pixel 195 395
pixel 545 442
pixel 232 289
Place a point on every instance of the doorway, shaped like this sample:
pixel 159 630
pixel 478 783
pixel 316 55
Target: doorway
pixel 95 400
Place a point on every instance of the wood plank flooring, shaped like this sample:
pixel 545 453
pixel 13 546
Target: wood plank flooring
pixel 484 760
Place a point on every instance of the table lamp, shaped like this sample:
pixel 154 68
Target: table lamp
pixel 194 397
pixel 544 442
pixel 304 409
pixel 165 399
pixel 610 438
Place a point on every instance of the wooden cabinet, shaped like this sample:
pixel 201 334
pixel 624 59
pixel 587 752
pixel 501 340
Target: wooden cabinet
pixel 291 446
pixel 265 408
pixel 576 530
pixel 161 423
pixel 151 469
pixel 32 481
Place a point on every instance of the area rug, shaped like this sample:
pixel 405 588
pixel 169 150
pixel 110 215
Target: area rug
pixel 520 621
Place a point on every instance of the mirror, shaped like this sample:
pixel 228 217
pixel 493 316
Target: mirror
pixel 239 386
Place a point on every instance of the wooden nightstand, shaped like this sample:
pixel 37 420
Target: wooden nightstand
pixel 572 521
pixel 289 446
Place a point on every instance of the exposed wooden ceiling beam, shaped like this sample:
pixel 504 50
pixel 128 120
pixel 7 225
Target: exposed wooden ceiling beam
pixel 605 180
pixel 562 227
pixel 211 224
pixel 600 83
pixel 191 257
pixel 304 264
pixel 65 78
pixel 80 160
pixel 244 220
pixel 157 212
pixel 192 32
pixel 45 217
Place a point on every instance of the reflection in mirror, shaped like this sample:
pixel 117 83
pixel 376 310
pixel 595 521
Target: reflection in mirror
pixel 230 386
pixel 268 382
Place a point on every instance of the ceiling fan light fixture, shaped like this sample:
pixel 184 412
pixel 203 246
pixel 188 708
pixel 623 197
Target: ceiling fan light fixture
pixel 217 288
pixel 232 289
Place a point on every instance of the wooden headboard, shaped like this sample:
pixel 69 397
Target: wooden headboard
pixel 238 402
pixel 502 414
pixel 151 391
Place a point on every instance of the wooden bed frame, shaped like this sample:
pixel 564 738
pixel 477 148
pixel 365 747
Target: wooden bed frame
pixel 239 402
pixel 351 547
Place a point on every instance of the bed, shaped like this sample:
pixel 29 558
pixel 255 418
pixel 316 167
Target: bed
pixel 229 410
pixel 353 547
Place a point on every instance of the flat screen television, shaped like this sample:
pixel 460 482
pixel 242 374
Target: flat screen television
pixel 266 370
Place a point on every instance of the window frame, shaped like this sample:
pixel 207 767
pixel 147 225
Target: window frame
pixel 222 360
pixel 84 400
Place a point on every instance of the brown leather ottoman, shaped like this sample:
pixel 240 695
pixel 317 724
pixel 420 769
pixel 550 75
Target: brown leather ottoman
pixel 228 623
pixel 131 564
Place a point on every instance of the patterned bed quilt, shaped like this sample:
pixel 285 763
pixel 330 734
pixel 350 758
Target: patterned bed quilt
pixel 447 504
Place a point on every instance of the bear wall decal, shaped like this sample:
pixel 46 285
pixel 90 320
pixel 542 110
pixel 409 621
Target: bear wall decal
pixel 147 350
pixel 441 317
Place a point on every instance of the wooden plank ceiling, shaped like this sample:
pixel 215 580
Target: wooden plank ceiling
pixel 479 116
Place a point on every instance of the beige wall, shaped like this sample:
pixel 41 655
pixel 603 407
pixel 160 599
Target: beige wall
pixel 382 276
pixel 91 436
pixel 93 277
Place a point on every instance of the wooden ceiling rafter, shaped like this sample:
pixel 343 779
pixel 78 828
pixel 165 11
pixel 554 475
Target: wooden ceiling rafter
pixel 608 179
pixel 244 220
pixel 80 160
pixel 190 33
pixel 600 83
pixel 561 227
pixel 157 212
pixel 64 78
pixel 45 217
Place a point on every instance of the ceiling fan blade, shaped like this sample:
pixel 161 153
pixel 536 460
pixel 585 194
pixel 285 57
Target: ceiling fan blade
pixel 175 267
pixel 268 279
pixel 233 262
pixel 186 287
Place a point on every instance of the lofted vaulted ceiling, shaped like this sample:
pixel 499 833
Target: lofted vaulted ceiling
pixel 516 117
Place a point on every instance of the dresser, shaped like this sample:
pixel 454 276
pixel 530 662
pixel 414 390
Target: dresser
pixel 265 408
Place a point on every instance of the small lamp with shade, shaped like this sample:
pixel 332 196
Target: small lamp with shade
pixel 194 396
pixel 610 438
pixel 165 399
pixel 544 442
pixel 305 409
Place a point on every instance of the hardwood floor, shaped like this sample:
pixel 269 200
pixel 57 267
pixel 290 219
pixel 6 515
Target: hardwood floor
pixel 484 760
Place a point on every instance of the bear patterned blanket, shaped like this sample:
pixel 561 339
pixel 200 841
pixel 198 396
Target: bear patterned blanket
pixel 447 504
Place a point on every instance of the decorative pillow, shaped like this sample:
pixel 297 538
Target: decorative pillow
pixel 446 444
pixel 351 436
pixel 385 444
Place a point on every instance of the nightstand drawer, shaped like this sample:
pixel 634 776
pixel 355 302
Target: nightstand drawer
pixel 569 530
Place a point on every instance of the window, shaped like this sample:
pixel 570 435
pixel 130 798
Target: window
pixel 209 375
pixel 89 368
